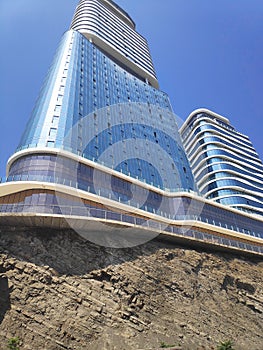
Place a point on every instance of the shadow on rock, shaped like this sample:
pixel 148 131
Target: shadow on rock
pixel 70 254
pixel 67 252
pixel 4 296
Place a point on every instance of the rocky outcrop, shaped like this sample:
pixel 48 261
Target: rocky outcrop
pixel 58 291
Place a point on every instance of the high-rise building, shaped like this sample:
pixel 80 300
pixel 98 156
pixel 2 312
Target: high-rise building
pixel 102 146
pixel 97 66
pixel 226 167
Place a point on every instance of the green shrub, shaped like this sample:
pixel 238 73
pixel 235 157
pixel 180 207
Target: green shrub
pixel 228 345
pixel 13 343
pixel 164 345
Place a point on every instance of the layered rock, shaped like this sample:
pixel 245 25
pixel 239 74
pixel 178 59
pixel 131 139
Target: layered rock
pixel 58 291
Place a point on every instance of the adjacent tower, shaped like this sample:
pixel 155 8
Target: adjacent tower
pixel 226 167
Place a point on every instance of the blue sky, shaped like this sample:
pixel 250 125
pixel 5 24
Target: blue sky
pixel 206 54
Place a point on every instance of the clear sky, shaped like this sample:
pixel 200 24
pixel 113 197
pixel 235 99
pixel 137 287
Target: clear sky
pixel 206 54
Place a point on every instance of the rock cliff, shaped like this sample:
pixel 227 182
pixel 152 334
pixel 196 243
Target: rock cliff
pixel 58 291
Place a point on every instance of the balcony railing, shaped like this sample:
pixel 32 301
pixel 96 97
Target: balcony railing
pixel 106 193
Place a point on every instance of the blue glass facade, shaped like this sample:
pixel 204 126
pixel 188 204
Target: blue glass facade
pixel 88 104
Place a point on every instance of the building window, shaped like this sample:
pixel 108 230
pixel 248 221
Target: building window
pixel 55 120
pixel 58 109
pixel 59 99
pixel 52 133
pixel 50 144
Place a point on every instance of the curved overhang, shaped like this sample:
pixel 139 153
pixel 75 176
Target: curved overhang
pixel 85 161
pixel 225 160
pixel 88 223
pixel 233 174
pixel 199 136
pixel 217 145
pixel 248 176
pixel 166 193
pixel 237 188
pixel 232 187
pixel 193 137
pixel 243 195
pixel 203 162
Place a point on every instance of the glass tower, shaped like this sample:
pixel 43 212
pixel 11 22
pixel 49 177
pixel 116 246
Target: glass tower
pixel 103 145
pixel 226 167
pixel 101 91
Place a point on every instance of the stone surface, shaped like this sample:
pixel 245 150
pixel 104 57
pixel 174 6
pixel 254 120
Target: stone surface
pixel 58 291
